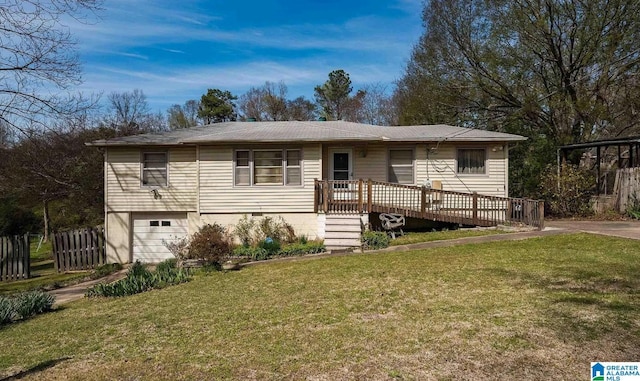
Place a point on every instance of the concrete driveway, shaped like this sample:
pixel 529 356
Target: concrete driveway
pixel 625 229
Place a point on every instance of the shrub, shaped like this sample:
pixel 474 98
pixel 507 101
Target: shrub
pixel 7 312
pixel 372 240
pixel 178 247
pixel 573 195
pixel 24 305
pixel 137 269
pixel 32 303
pixel 104 270
pixel 211 243
pixel 299 248
pixel 245 230
pixel 271 246
pixel 140 279
pixel 253 253
pixel 261 252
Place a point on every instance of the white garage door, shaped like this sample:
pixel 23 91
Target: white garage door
pixel 149 232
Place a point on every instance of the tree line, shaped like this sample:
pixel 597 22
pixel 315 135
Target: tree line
pixel 557 72
pixel 334 100
pixel 50 180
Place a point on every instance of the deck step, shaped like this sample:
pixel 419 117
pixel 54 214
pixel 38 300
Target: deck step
pixel 342 232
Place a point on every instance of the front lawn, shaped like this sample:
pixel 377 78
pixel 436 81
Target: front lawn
pixel 519 310
pixel 417 237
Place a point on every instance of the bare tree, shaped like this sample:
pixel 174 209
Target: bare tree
pixel 301 109
pixel 183 116
pixel 377 106
pixel 38 63
pixel 268 102
pixel 129 113
pixel 251 104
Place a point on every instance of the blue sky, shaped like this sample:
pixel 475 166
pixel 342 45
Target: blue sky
pixel 176 50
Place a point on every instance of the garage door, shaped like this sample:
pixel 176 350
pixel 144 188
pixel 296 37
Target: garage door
pixel 149 232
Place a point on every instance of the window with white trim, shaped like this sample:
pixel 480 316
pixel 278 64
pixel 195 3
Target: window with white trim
pixel 471 161
pixel 154 169
pixel 243 168
pixel 401 166
pixel 268 167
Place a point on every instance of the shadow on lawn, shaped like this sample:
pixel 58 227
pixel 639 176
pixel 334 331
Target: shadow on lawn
pixel 583 304
pixel 35 369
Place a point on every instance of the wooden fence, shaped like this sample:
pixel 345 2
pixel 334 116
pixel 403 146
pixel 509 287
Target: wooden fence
pixel 626 188
pixel 15 258
pixel 359 196
pixel 82 249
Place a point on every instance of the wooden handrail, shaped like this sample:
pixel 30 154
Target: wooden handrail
pixel 348 196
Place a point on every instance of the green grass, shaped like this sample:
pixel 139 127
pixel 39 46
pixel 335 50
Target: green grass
pixel 412 237
pixel 43 273
pixel 505 310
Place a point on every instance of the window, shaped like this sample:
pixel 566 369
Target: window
pixel 243 170
pixel 471 161
pixel 268 167
pixel 401 166
pixel 294 175
pixel 154 169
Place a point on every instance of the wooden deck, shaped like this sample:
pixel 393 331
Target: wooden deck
pixel 360 196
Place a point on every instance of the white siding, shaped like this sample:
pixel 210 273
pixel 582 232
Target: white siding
pixel 124 192
pixel 442 166
pixel 219 195
pixel 373 166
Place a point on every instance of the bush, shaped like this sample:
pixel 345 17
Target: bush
pixel 276 229
pixel 140 279
pixel 245 230
pixel 253 253
pixel 211 243
pixel 32 303
pixel 271 246
pixel 372 240
pixel 104 270
pixel 297 248
pixel 24 306
pixel 7 312
pixel 300 248
pixel 251 232
pixel 573 196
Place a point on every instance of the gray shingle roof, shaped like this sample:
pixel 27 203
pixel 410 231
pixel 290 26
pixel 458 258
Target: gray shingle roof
pixel 311 131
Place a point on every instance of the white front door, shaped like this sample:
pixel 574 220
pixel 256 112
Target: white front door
pixel 151 231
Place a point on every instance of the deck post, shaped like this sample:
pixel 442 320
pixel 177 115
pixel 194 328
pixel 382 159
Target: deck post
pixel 360 201
pixel 541 214
pixel 325 196
pixel 423 202
pixel 316 196
pixel 475 208
pixel 369 195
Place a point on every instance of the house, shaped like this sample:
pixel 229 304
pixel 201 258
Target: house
pixel 164 185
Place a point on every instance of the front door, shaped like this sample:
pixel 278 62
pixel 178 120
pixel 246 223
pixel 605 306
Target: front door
pixel 341 166
pixel 341 170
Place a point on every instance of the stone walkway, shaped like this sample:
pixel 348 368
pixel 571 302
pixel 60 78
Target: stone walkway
pixel 75 292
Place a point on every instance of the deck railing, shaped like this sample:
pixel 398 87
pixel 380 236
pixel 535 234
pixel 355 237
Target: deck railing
pixel 360 196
